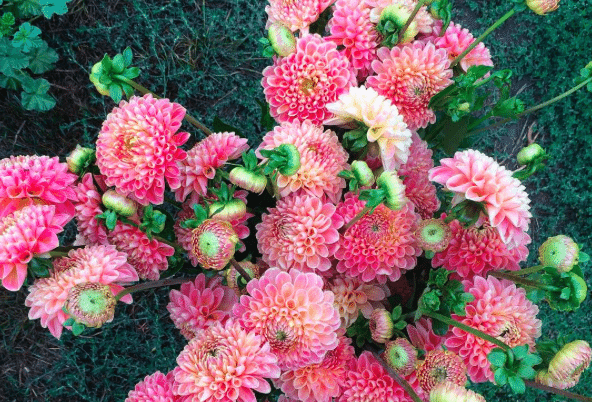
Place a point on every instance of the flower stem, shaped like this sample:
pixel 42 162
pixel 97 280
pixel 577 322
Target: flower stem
pixel 420 4
pixel 240 269
pixel 150 285
pixel 397 377
pixel 524 281
pixel 466 328
pixel 526 271
pixel 145 91
pixel 483 36
pixel 55 253
pixel 356 218
pixel 567 394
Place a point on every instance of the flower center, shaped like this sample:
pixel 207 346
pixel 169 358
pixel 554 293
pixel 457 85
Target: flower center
pixel 307 86
pixel 6 223
pixel 208 244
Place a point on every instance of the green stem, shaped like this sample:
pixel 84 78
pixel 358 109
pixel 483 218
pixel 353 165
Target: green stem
pixel 150 285
pixel 466 328
pixel 419 5
pixel 479 121
pixel 526 271
pixel 356 218
pixel 240 269
pixel 172 202
pixel 483 36
pixel 523 281
pixel 55 253
pixel 397 378
pixel 144 90
pixel 567 394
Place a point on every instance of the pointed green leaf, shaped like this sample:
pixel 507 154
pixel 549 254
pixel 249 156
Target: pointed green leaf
pixel 131 73
pixel 115 92
pixel 77 328
pixel 500 377
pixel 41 59
pixel 69 322
pixel 532 359
pixel 127 56
pixel 583 257
pixel 517 385
pixel 526 372
pixel 497 357
pixel 35 96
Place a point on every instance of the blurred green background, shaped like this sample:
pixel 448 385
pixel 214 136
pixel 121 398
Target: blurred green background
pixel 205 55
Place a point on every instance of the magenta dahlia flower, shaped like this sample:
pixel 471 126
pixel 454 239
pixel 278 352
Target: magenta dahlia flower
pixel 422 336
pixel 91 231
pixel 199 304
pixel 500 309
pixel 409 76
pixel 298 87
pixel 30 180
pixel 24 234
pixel 202 161
pixel 474 176
pixel 224 363
pixel 422 193
pixel 352 297
pixel 153 388
pixel 322 157
pixel 138 147
pixel 292 312
pixel 296 15
pixel 381 245
pixel 94 264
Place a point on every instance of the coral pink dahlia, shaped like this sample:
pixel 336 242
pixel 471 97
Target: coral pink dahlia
pixel 94 264
pixel 29 180
pixel 24 234
pixel 352 296
pixel 422 193
pixel 455 40
pixel 296 15
pixel 422 336
pixel 322 157
pixel 154 388
pixel 299 86
pixel 409 76
pixel 91 230
pixel 381 245
pixel 138 149
pixel 199 304
pixel 202 161
pixel 440 366
pixel 292 312
pixel 224 363
pixel 420 158
pixel 299 232
pixel 500 309
pixel 474 176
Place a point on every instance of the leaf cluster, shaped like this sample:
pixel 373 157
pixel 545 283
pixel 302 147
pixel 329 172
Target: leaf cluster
pixel 112 75
pixel 566 290
pixel 513 366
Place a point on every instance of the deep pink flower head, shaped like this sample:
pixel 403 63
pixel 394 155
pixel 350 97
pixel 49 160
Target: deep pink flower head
pixel 299 232
pixel 474 176
pixel 410 75
pixel 296 15
pixel 293 313
pixel 224 363
pixel 91 230
pixel 320 382
pixel 24 234
pixel 352 297
pixel 298 87
pixel 202 161
pixel 422 193
pixel 30 180
pixel 200 303
pixel 149 257
pixel 368 381
pixel 154 388
pixel 420 159
pixel 322 157
pixel 500 309
pixel 350 27
pixel 138 148
pixel 422 335
pixel 478 250
pixel 381 245
pixel 94 264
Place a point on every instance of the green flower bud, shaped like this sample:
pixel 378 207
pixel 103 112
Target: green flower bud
pixel 248 180
pixel 282 39
pixel 433 235
pixel 119 203
pixel 292 155
pixel 559 252
pixel 362 173
pixel 542 7
pixel 233 209
pixel 394 189
pixel 91 304
pixel 382 326
pixel 80 158
pixel 95 74
pixel 401 356
pixel 396 16
pixel 530 153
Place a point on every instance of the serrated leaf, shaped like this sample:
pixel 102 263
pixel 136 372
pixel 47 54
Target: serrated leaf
pixel 497 357
pixel 12 80
pixel 532 359
pixel 118 64
pixel 517 385
pixel 11 58
pixel 35 96
pixel 526 372
pixel 27 37
pixel 115 92
pixel 41 59
pixel 51 7
pixel 28 8
pixel 127 56
pixel 6 23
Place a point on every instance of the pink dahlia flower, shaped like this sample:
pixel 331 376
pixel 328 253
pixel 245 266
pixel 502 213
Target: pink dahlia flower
pixel 368 381
pixel 154 388
pixel 409 76
pixel 381 245
pixel 422 193
pixel 478 250
pixel 322 157
pixel 30 180
pixel 24 234
pixel 149 257
pixel 350 27
pixel 94 264
pixel 224 363
pixel 292 312
pixel 320 382
pixel 420 159
pixel 299 232
pixel 474 176
pixel 199 304
pixel 202 161
pixel 91 230
pixel 440 366
pixel 500 309
pixel 423 18
pixel 422 335
pixel 296 15
pixel 137 148
pixel 352 297
pixel 299 86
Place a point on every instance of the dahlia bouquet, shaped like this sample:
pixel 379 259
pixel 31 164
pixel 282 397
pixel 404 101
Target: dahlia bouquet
pixel 335 260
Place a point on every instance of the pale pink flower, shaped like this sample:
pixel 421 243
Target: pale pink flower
pixel 93 264
pixel 292 312
pixel 296 15
pixel 420 159
pixel 91 230
pixel 138 148
pixel 352 297
pixel 154 388
pixel 298 87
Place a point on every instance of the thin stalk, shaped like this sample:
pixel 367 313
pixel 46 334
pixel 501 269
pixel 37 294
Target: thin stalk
pixel 240 269
pixel 483 36
pixel 526 271
pixel 55 253
pixel 567 394
pixel 150 285
pixel 419 5
pixel 524 281
pixel 479 121
pixel 397 378
pixel 144 90
pixel 356 218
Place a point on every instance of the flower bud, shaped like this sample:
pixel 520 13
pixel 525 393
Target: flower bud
pixel 282 40
pixel 248 180
pixel 95 74
pixel 237 282
pixel 79 159
pixel 451 392
pixel 91 304
pixel 292 158
pixel 433 235
pixel 546 378
pixel 119 203
pixel 559 252
pixel 530 153
pixel 213 243
pixel 228 211
pixel 398 16
pixel 401 356
pixel 570 362
pixel 382 326
pixel 394 189
pixel 542 7
pixel 362 173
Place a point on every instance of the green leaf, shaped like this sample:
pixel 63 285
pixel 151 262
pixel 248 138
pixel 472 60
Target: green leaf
pixel 396 313
pixel 400 325
pixel 267 122
pixel 51 7
pixel 565 293
pixel 40 267
pixel 526 372
pixel 12 80
pixel 532 359
pixel 41 59
pixel 500 377
pixel 497 357
pixel 454 132
pixel 11 58
pixel 219 126
pixel 127 56
pixel 115 92
pixel 520 351
pixel 517 385
pixel 35 96
pixel 28 8
pixel 27 37
pixel 118 64
pixel 77 328
pixel 69 322
pixel 6 23
pixel 131 73
pixel 583 257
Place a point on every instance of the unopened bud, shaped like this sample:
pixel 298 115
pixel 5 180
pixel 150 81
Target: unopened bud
pixel 231 210
pixel 248 180
pixel 559 252
pixel 396 16
pixel 292 156
pixel 213 244
pixel 433 235
pixel 570 362
pixel 530 153
pixel 362 173
pixel 79 159
pixel 394 189
pixel 119 203
pixel 464 107
pixel 542 7
pixel 382 326
pixel 95 74
pixel 401 356
pixel 91 304
pixel 281 39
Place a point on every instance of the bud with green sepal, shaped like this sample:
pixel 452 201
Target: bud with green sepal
pixel 362 173
pixel 90 304
pixel 433 236
pixel 467 212
pixel 559 252
pixel 442 10
pixel 392 20
pixel 394 190
pixel 153 221
pixel 250 176
pixel 200 215
pixel 80 160
pixel 530 154
pixel 513 366
pixel 381 325
pixel 564 291
pixel 542 7
pixel 111 76
pixel 120 204
pixel 401 356
pixel 281 39
pixel 226 207
pixel 284 159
